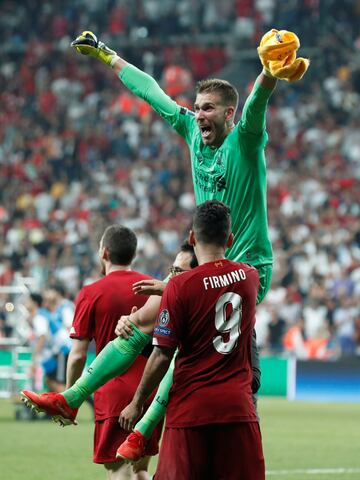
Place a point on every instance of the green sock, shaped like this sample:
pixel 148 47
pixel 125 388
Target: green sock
pixel 156 412
pixel 113 360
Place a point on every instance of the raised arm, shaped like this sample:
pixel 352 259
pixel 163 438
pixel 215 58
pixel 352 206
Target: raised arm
pixel 253 118
pixel 139 82
pixel 277 53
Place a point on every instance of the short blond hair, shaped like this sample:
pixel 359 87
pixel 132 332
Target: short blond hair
pixel 228 92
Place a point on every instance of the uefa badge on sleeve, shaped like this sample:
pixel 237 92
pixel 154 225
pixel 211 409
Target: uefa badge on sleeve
pixel 164 318
pixel 163 321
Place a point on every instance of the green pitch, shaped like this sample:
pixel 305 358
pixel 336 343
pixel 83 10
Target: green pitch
pixel 310 441
pixel 302 441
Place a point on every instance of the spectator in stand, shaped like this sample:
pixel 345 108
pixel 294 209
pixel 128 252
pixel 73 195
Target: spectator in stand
pixel 59 323
pixel 40 341
pixel 276 330
pixel 53 159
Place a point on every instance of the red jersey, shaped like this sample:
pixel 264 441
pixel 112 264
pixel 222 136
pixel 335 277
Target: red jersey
pixel 98 308
pixel 209 314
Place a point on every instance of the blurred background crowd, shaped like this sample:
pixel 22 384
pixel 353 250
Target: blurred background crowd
pixel 79 152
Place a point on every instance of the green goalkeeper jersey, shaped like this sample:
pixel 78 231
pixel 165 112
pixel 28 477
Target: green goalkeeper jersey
pixel 234 173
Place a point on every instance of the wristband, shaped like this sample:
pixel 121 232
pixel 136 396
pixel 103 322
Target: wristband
pixel 267 73
pixel 114 59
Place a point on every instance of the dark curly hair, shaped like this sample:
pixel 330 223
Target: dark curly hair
pixel 212 222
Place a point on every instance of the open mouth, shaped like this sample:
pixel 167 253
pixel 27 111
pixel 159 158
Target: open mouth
pixel 205 131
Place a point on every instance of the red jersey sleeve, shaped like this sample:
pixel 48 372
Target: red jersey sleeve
pixel 83 324
pixel 169 324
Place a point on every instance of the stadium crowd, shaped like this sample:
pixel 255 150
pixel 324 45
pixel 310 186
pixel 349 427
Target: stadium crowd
pixel 78 152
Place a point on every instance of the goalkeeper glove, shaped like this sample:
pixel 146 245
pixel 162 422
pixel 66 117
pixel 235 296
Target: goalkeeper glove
pixel 277 52
pixel 87 44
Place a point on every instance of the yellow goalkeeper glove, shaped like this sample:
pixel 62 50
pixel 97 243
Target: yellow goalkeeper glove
pixel 277 52
pixel 87 44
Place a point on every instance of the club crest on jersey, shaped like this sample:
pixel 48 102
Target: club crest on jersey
pixel 200 158
pixel 164 318
pixel 218 264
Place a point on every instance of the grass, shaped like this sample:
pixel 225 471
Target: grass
pixel 297 437
pixel 304 436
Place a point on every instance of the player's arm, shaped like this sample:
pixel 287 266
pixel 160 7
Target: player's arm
pixel 167 336
pixel 253 118
pixel 144 318
pixel 149 287
pixel 139 82
pixel 277 53
pixel 81 334
pixel 155 369
pixel 76 360
pixel 266 80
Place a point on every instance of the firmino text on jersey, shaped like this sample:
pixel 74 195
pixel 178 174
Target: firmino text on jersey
pixel 218 281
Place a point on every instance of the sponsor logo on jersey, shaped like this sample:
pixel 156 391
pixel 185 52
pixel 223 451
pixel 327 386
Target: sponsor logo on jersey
pixel 209 182
pixel 162 331
pixel 220 183
pixel 164 318
pixel 186 111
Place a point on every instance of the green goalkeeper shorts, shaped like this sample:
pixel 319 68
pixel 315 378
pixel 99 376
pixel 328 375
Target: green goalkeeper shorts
pixel 265 274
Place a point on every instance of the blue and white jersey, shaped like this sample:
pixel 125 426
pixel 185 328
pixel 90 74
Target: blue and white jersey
pixel 60 324
pixel 41 327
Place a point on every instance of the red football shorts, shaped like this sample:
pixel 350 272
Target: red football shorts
pixel 229 451
pixel 108 435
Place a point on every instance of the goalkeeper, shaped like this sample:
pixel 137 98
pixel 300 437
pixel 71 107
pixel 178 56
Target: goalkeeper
pixel 227 159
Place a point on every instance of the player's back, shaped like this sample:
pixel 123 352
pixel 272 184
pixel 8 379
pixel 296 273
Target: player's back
pixel 110 297
pixel 212 379
pixel 98 308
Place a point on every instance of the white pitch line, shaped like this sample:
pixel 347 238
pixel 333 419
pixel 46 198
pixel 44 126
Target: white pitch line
pixel 314 471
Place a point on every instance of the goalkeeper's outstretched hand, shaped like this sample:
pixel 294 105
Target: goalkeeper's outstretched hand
pixel 88 44
pixel 277 53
